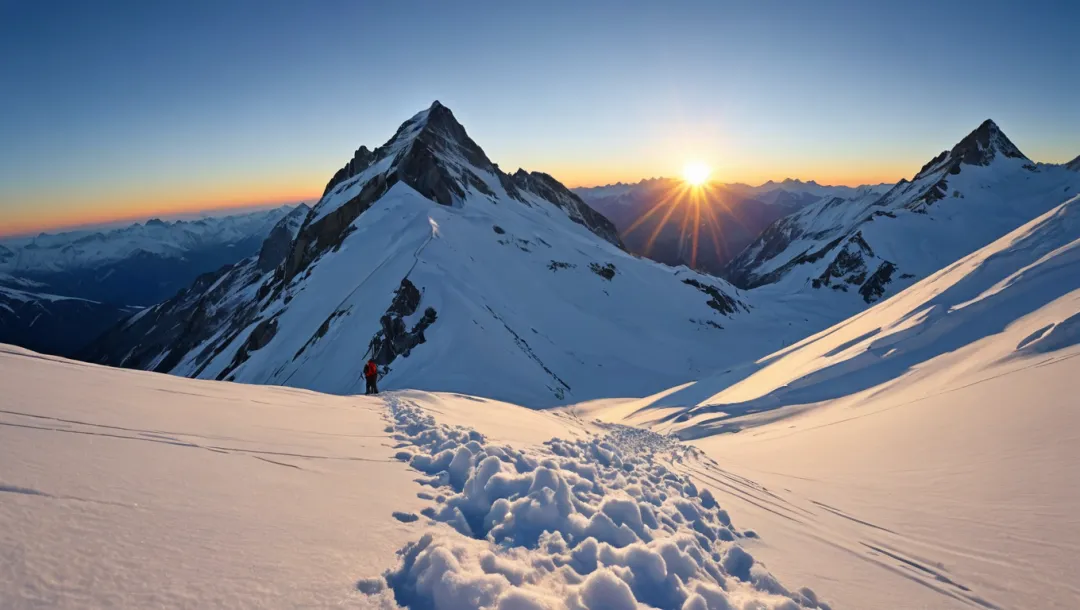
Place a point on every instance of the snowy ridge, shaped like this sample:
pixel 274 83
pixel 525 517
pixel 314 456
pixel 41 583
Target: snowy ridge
pixel 598 524
pixel 872 245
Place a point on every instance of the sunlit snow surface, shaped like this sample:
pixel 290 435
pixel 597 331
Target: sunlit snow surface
pixel 926 448
pixel 132 489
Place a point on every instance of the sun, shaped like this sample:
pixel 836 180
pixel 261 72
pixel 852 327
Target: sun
pixel 696 173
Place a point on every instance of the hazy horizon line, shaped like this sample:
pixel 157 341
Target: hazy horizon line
pixel 128 220
pixel 236 209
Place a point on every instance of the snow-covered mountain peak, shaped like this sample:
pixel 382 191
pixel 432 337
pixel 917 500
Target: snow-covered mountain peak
pixel 512 288
pixel 434 156
pixel 875 243
pixel 980 147
pixel 1074 165
pixel 431 152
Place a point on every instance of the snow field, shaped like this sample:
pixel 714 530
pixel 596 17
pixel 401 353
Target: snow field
pixel 602 523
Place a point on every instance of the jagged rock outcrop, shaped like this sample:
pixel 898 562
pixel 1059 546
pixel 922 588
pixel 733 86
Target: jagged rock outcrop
pixel 550 189
pixel 360 161
pixel 718 301
pixel 278 244
pixel 394 338
pixel 434 155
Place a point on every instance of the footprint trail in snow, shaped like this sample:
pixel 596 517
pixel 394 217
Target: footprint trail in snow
pixel 579 524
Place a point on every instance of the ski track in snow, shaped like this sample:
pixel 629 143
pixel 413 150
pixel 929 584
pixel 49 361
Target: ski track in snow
pixel 879 546
pixel 605 523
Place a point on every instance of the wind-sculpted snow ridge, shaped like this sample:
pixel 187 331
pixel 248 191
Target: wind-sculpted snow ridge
pixel 579 524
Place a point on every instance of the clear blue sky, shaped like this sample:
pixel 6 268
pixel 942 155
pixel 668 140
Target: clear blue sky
pixel 111 109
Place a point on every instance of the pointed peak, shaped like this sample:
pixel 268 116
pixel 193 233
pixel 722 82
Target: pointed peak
pixel 981 147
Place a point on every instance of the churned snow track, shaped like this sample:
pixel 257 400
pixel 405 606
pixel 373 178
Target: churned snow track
pixel 601 521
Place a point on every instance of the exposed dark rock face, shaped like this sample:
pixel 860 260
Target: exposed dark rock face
pixel 434 155
pixel 360 161
pixel 259 338
pixel 719 301
pixel 277 245
pixel 395 339
pixel 165 333
pixel 498 229
pixel 849 263
pixel 982 145
pixel 557 265
pixel 549 188
pixel 606 271
pixel 747 281
pixel 875 286
pixel 1074 165
pixel 331 230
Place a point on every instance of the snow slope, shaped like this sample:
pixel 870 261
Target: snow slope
pixel 872 245
pixel 136 490
pixel 456 276
pixel 132 489
pixel 931 439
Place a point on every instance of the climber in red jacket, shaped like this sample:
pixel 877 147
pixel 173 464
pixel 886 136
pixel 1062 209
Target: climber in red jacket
pixel 371 374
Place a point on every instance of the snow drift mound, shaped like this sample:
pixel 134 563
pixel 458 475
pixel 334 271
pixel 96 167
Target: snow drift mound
pixel 588 524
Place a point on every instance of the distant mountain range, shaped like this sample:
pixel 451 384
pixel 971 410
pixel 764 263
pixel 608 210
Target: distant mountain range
pixel 703 228
pixel 60 291
pixel 141 264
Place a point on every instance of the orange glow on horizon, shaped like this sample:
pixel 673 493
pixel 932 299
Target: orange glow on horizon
pixel 691 201
pixel 39 213
pixel 65 220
